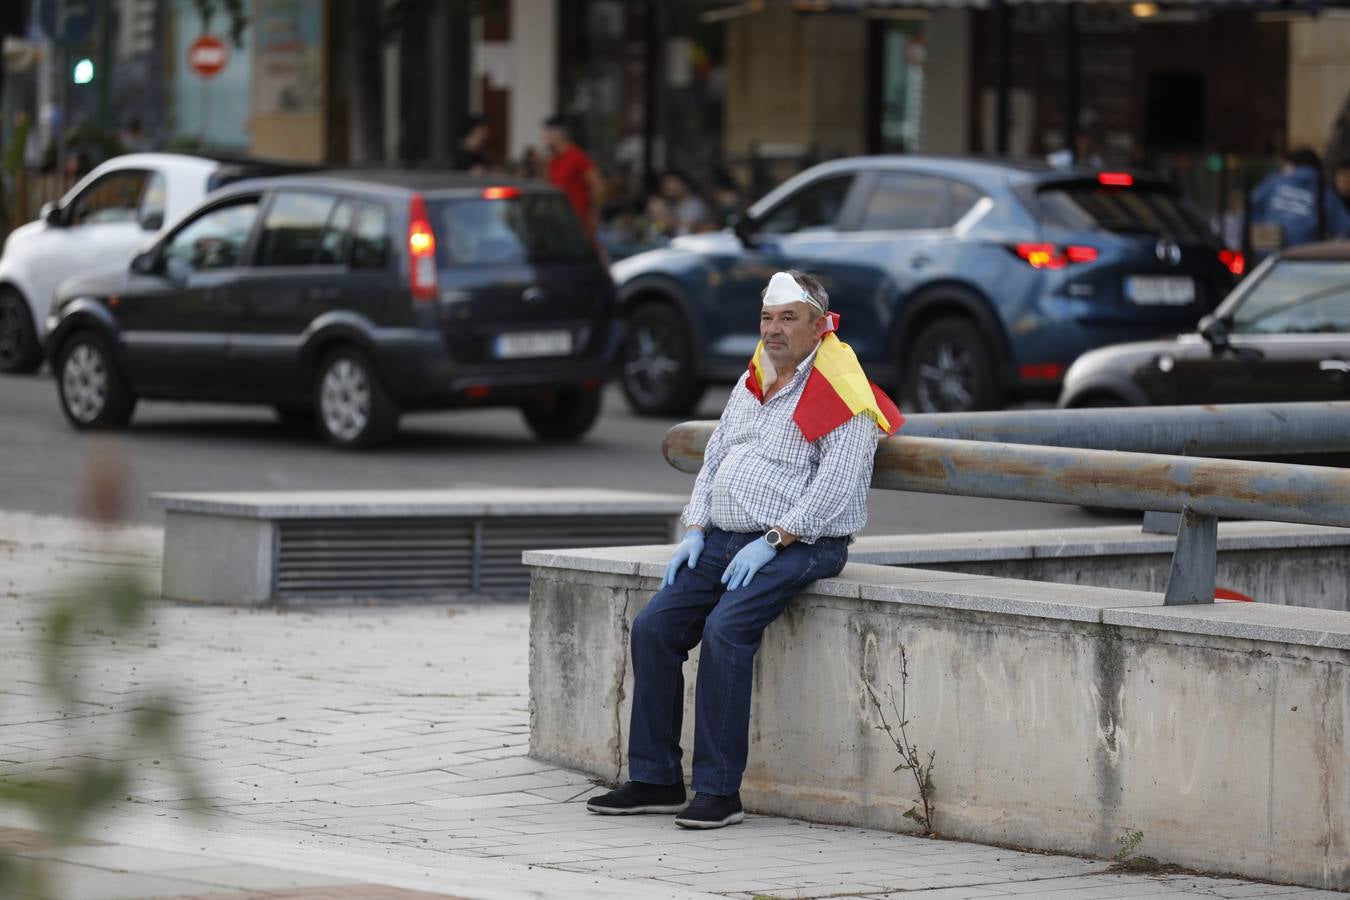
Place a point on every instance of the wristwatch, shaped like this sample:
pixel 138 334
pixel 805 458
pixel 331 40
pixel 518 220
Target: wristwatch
pixel 774 538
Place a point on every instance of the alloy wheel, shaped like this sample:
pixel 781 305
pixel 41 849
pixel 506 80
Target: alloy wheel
pixel 946 380
pixel 650 365
pixel 345 400
pixel 84 382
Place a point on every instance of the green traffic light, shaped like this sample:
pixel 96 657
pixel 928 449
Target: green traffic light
pixel 84 71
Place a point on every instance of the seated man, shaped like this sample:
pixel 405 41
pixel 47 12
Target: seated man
pixel 782 490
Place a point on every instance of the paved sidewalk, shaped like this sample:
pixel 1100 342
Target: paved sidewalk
pixel 380 752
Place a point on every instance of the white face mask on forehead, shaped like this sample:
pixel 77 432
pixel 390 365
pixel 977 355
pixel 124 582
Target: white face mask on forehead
pixel 784 289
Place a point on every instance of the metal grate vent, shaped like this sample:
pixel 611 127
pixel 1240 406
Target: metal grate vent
pixel 406 557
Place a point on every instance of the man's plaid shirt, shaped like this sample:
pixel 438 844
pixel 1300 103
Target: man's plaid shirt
pixel 759 472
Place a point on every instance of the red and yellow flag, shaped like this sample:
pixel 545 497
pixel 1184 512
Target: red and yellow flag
pixel 836 391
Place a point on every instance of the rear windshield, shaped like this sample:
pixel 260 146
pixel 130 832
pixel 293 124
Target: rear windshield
pixel 1140 209
pixel 533 228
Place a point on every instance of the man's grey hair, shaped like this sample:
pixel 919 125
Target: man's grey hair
pixel 811 284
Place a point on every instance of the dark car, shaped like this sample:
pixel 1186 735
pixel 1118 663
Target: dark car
pixel 1282 336
pixel 962 283
pixel 350 298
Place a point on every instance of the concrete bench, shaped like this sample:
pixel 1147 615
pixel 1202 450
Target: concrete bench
pixel 286 546
pixel 1062 715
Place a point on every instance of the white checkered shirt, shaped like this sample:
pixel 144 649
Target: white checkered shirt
pixel 759 472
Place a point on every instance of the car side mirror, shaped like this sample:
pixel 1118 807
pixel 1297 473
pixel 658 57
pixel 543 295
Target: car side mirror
pixel 743 227
pixel 1215 331
pixel 51 214
pixel 146 263
pixel 153 222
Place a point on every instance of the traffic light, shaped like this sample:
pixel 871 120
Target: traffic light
pixel 83 73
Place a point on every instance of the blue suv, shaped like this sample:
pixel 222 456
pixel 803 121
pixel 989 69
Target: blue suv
pixel 962 283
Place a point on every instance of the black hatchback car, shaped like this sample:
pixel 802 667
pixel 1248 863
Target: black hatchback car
pixel 1282 336
pixel 349 298
pixel 963 283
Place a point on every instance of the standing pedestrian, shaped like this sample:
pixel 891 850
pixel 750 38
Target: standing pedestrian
pixel 782 490
pixel 471 155
pixel 570 169
pixel 1288 200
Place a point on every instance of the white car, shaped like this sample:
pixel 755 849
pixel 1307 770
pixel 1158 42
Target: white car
pixel 101 223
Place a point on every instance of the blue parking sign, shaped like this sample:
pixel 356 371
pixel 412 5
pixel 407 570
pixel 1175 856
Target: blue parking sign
pixel 68 21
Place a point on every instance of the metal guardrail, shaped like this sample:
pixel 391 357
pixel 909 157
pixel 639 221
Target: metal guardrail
pixel 1201 490
pixel 1236 430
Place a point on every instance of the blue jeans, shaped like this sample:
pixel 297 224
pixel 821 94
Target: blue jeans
pixel 730 624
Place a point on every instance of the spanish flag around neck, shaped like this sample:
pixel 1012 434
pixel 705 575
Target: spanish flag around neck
pixel 836 390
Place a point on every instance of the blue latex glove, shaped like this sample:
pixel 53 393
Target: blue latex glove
pixel 746 563
pixel 687 552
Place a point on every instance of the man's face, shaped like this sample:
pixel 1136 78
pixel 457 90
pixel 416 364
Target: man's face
pixel 554 139
pixel 790 332
pixel 1343 182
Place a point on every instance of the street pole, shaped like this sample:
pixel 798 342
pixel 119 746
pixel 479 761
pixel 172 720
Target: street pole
pixel 1073 73
pixel 103 74
pixel 1003 85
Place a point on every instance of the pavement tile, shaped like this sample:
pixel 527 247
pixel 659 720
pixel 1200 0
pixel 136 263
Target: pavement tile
pixel 389 733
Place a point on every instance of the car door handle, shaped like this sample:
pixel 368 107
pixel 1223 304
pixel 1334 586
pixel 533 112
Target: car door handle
pixel 322 293
pixel 920 261
pixel 1339 366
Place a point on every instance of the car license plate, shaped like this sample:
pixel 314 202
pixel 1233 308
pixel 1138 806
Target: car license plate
pixel 1169 290
pixel 519 344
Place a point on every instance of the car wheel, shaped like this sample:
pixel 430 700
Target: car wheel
pixel 351 405
pixel 94 394
pixel 20 350
pixel 658 363
pixel 563 415
pixel 948 369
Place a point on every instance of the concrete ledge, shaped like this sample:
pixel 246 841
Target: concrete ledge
pixel 1062 716
pixel 430 504
pixel 1295 565
pixel 261 548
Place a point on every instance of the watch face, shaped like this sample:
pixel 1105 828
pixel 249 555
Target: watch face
pixel 774 538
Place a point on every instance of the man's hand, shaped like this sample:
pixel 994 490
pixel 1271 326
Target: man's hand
pixel 687 552
pixel 746 563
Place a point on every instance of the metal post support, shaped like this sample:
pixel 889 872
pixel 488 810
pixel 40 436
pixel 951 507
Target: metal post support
pixel 1195 561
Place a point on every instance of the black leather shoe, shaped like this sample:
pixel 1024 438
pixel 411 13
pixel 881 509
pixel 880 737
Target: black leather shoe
pixel 637 797
pixel 711 811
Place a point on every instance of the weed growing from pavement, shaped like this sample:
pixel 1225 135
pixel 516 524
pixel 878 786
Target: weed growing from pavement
pixel 911 759
pixel 1126 859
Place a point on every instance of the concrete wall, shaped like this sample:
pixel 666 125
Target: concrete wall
pixel 1319 79
pixel 1061 717
pixel 946 100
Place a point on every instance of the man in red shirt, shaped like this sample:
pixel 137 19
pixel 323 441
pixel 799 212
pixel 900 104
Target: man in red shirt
pixel 573 171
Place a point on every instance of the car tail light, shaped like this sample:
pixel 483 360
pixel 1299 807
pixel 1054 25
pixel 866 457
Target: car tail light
pixel 1235 261
pixel 1041 371
pixel 421 251
pixel 501 193
pixel 1051 256
pixel 1115 179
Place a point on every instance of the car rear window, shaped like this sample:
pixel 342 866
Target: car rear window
pixel 524 228
pixel 1138 209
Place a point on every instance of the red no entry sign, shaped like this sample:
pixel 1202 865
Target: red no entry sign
pixel 207 55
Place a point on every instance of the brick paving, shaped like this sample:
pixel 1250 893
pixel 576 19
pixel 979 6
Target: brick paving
pixel 386 746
